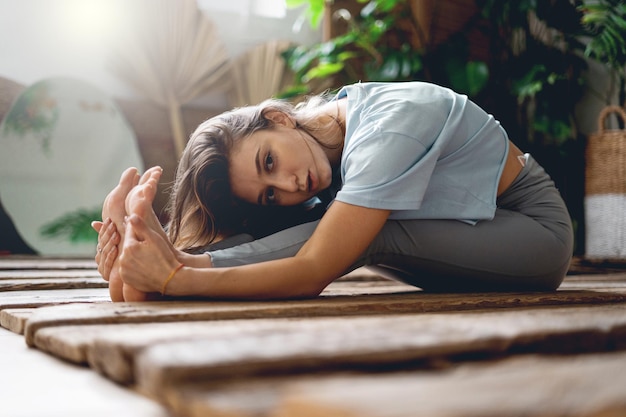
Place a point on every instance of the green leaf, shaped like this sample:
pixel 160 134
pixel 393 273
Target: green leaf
pixel 292 4
pixel 344 56
pixel 74 226
pixel 300 58
pixel 369 9
pixel 314 10
pixel 477 76
pixel 386 6
pixel 323 70
pixel 293 91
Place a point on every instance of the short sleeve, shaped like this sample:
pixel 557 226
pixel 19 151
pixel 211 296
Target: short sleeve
pixel 421 151
pixel 386 171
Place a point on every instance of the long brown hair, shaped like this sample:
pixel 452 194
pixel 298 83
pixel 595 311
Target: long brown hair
pixel 201 207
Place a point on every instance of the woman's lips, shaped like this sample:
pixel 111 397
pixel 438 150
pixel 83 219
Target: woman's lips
pixel 312 183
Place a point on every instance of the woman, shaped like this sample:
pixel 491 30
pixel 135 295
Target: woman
pixel 422 183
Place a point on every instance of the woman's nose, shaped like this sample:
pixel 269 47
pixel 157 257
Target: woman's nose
pixel 288 183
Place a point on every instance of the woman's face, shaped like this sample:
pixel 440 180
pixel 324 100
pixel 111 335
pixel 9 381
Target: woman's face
pixel 279 166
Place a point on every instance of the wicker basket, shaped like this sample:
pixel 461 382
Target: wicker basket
pixel 605 191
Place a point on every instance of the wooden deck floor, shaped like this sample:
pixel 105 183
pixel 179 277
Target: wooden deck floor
pixel 366 347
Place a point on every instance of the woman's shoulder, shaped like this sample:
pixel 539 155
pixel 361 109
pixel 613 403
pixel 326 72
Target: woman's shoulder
pixel 411 91
pixel 413 109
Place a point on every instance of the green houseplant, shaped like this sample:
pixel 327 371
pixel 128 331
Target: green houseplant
pixel 383 42
pixel 605 24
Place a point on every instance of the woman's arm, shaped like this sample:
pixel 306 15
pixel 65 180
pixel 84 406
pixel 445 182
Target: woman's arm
pixel 342 235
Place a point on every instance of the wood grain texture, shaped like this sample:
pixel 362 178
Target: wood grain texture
pixel 341 305
pixel 37 262
pixel 530 386
pixel 14 319
pixel 252 397
pixel 45 273
pixel 27 299
pixel 51 284
pixel 535 386
pixel 371 343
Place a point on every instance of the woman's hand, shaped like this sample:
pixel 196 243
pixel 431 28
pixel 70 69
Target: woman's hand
pixel 147 258
pixel 106 251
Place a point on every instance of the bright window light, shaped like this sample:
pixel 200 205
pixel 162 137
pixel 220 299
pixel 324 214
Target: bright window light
pixel 92 20
pixel 264 8
pixel 270 8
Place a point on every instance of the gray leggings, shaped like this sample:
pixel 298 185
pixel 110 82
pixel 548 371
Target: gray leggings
pixel 527 246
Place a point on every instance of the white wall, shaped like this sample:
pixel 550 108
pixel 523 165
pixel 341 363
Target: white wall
pixel 46 38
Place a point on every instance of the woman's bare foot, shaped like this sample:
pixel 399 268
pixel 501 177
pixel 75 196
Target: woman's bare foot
pixel 114 209
pixel 139 201
pixel 114 206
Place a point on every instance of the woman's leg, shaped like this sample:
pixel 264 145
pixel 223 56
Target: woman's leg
pixel 527 246
pixel 243 249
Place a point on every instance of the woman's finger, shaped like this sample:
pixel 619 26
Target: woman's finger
pixel 132 254
pixel 109 260
pixel 107 249
pixel 99 227
pixel 110 251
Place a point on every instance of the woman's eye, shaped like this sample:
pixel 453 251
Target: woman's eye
pixel 269 162
pixel 270 197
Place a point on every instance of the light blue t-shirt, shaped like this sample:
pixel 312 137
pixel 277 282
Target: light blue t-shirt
pixel 421 151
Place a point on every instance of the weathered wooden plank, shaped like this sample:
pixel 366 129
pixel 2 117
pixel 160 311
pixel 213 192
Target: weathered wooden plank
pixel 14 319
pixel 371 343
pixel 27 299
pixel 76 343
pixel 51 284
pixel 613 277
pixel 36 262
pixel 537 386
pixel 578 386
pixel 48 273
pixel 328 342
pixel 342 288
pixel 362 274
pixel 580 265
pixel 253 397
pixel 596 282
pixel 341 305
pixel 367 287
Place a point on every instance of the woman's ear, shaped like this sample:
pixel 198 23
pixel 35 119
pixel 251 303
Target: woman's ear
pixel 279 118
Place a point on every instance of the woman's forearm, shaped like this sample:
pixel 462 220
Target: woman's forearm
pixel 338 240
pixel 149 262
pixel 280 279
